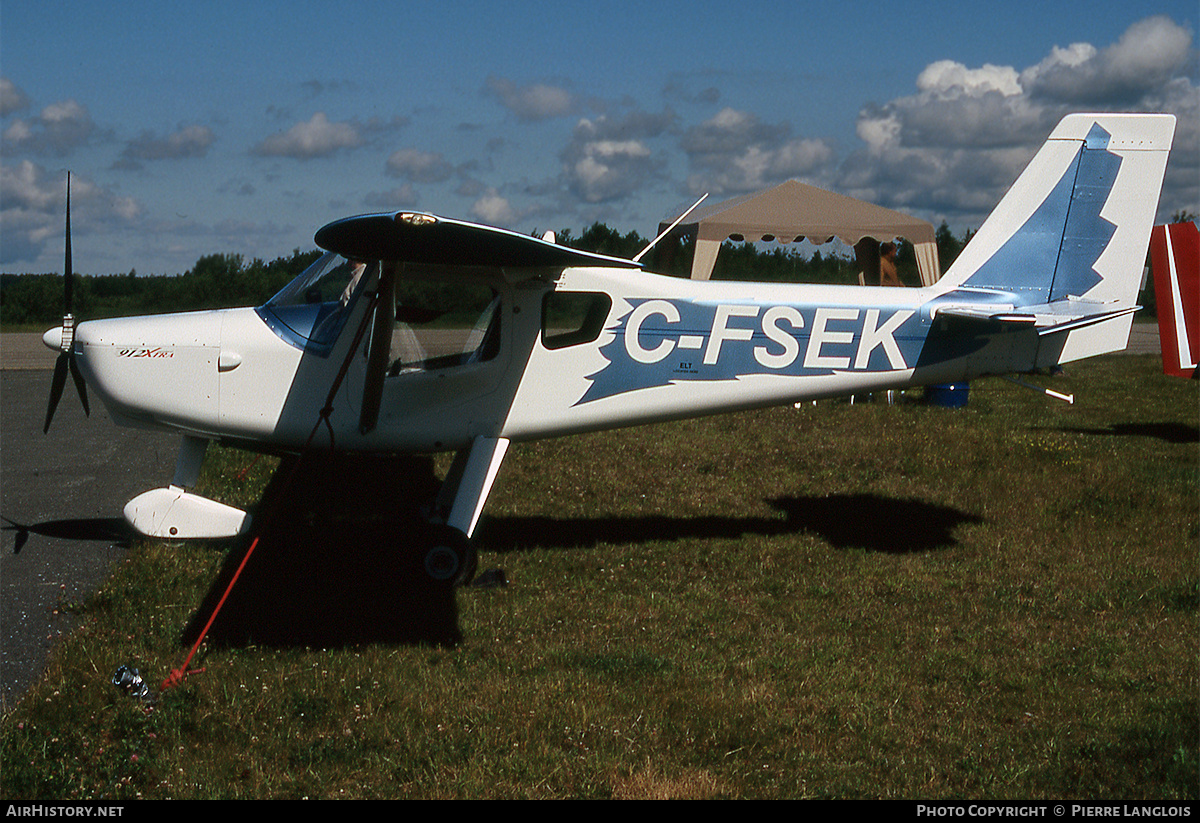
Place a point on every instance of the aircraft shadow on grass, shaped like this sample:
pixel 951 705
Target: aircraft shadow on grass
pixel 1178 433
pixel 333 565
pixel 845 521
pixel 332 570
pixel 329 584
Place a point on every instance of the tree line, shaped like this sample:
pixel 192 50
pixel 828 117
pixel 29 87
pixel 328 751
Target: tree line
pixel 225 280
pixel 216 281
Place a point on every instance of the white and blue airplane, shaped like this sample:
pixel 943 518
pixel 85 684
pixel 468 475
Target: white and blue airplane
pixel 350 355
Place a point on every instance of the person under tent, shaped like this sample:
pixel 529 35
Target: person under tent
pixel 887 266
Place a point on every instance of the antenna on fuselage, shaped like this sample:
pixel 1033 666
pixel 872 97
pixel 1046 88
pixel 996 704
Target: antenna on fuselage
pixel 669 228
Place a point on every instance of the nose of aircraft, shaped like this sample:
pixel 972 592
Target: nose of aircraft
pixel 158 369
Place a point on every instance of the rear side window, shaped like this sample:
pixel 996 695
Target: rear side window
pixel 572 318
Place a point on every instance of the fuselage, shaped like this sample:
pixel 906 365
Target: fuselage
pixel 639 347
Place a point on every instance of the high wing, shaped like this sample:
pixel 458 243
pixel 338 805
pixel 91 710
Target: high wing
pixel 416 237
pixel 431 240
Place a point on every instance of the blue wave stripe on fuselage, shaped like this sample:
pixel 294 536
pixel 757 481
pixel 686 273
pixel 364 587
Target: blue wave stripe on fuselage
pixel 677 341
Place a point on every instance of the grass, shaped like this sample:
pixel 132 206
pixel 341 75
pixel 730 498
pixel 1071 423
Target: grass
pixel 839 601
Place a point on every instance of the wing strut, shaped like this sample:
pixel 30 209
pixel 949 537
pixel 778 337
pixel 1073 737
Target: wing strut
pixel 381 343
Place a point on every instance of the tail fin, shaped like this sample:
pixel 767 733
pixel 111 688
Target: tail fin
pixel 1077 221
pixel 1066 247
pixel 1175 259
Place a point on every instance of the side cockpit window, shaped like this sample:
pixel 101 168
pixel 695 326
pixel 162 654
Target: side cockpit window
pixel 572 318
pixel 443 323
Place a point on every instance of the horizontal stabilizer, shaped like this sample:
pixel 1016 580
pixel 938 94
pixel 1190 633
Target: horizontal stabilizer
pixel 1046 318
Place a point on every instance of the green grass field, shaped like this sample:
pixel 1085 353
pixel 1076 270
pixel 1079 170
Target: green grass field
pixel 832 601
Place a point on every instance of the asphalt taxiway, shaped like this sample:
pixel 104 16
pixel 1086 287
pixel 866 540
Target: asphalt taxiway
pixel 61 495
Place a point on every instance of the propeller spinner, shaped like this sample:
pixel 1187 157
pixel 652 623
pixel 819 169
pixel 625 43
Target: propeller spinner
pixel 66 336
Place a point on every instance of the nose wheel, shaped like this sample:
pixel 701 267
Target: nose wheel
pixel 451 558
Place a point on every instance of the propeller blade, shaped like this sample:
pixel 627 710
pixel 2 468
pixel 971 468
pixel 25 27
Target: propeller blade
pixel 66 359
pixel 56 388
pixel 80 384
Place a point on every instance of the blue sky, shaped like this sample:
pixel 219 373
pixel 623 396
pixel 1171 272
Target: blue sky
pixel 202 127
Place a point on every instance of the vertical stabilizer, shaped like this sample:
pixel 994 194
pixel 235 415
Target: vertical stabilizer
pixel 1077 222
pixel 1070 237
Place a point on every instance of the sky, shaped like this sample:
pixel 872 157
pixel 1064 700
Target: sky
pixel 194 128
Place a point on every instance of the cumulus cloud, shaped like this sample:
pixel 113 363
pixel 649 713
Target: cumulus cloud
pixel 951 149
pixel 735 152
pixel 494 209
pixel 538 101
pixel 25 187
pixel 947 77
pixel 189 141
pixel 609 158
pixel 34 203
pixel 59 128
pixel 1149 54
pixel 404 197
pixel 12 99
pixel 419 166
pixel 316 137
pixel 680 90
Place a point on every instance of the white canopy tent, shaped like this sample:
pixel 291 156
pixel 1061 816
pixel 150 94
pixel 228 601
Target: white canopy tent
pixel 794 211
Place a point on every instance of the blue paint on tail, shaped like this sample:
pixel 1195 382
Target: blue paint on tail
pixel 1066 228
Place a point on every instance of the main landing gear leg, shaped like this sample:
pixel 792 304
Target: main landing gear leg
pixel 461 499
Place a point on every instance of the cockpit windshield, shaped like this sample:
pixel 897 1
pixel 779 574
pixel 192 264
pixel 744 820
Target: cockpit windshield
pixel 441 320
pixel 310 311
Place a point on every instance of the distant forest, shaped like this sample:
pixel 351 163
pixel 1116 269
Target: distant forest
pixel 225 280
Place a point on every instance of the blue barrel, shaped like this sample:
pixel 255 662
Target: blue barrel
pixel 947 395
